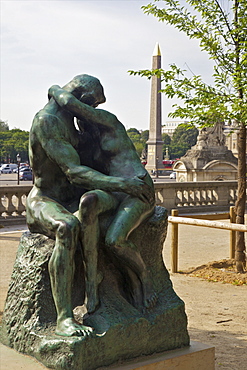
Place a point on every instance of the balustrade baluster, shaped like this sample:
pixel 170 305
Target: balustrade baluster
pixel 209 197
pixel 178 198
pixel 159 198
pixel 203 197
pixel 231 196
pixel 185 198
pixel 191 197
pixel 10 206
pixel 3 202
pixel 20 206
pixel 235 195
pixel 197 195
pixel 214 197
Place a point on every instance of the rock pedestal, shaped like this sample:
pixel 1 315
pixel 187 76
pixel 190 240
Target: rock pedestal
pixel 122 331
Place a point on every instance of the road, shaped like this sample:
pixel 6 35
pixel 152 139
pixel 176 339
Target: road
pixel 11 180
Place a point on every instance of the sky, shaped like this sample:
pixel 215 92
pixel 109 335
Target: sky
pixel 49 42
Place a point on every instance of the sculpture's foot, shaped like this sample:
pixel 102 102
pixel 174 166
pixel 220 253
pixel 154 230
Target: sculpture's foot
pixel 69 327
pixel 135 290
pixel 149 295
pixel 92 299
pixel 142 291
pixel 92 294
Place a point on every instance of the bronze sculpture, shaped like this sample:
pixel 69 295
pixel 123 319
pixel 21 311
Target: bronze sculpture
pixel 54 207
pixel 94 250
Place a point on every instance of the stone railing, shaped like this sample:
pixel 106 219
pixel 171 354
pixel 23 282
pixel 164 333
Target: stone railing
pixel 191 197
pixel 188 197
pixel 13 202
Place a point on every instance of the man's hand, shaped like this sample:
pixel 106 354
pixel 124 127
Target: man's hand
pixel 139 189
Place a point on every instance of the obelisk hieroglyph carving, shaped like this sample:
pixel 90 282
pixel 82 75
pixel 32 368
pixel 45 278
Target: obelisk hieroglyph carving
pixel 155 143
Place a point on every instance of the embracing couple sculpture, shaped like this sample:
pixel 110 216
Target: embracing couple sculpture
pixel 80 175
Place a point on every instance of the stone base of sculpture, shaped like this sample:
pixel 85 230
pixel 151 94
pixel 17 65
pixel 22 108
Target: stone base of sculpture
pixel 122 331
pixel 198 356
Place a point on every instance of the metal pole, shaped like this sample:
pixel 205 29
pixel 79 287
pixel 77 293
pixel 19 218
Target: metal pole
pixel 18 175
pixel 18 169
pixel 156 165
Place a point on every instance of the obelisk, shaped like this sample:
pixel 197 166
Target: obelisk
pixel 155 143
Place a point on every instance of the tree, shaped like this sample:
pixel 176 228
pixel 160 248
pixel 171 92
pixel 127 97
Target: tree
pixel 167 139
pixel 134 131
pixel 4 126
pixel 183 139
pixel 222 34
pixel 138 138
pixel 145 136
pixel 13 142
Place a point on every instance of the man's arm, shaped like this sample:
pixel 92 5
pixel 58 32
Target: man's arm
pixel 81 110
pixel 60 151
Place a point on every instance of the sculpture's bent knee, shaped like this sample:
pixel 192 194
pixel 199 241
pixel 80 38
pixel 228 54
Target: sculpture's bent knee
pixel 68 229
pixel 89 205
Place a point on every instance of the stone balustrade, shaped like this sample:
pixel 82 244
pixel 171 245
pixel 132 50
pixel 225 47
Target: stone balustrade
pixel 13 201
pixel 201 196
pixel 188 197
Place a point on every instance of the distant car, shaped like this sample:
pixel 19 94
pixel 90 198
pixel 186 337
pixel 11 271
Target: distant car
pixel 20 169
pixel 26 175
pixel 173 175
pixel 25 169
pixel 8 167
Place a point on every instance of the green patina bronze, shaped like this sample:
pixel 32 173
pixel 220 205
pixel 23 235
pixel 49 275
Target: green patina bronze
pixel 93 197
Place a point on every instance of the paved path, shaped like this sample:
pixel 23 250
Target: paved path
pixel 208 305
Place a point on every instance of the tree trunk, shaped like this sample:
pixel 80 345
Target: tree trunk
pixel 241 200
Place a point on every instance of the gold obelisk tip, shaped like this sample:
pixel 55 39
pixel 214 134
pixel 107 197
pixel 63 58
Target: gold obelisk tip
pixel 157 50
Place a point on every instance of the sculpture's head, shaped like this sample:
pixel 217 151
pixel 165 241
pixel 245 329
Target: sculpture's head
pixel 87 89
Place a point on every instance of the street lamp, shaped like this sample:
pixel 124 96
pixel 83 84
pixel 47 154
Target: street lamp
pixel 157 167
pixel 18 158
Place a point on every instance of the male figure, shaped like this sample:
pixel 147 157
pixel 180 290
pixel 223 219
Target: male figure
pixel 120 159
pixel 60 180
